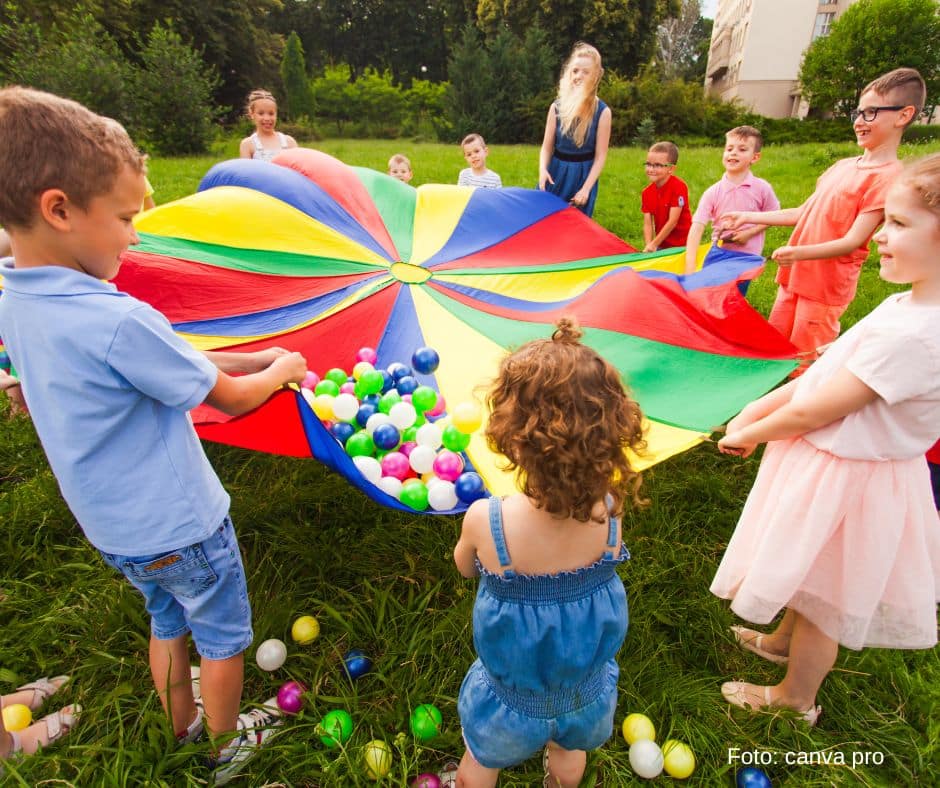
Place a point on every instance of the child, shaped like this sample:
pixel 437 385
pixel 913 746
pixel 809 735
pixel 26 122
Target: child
pixel 45 731
pixel 264 143
pixel 475 152
pixel 665 202
pixel 399 167
pixel 551 611
pixel 109 386
pixel 819 267
pixel 738 190
pixel 577 132
pixel 840 526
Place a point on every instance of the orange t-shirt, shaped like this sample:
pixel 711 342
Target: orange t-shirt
pixel 843 192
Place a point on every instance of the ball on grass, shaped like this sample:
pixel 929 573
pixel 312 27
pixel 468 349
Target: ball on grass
pixel 646 759
pixel 17 717
pixel 678 759
pixel 290 697
pixel 271 654
pixel 335 728
pixel 377 757
pixel 636 727
pixel 426 722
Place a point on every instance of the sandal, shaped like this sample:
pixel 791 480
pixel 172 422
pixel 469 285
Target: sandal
pixel 58 724
pixel 736 693
pixel 448 774
pixel 43 689
pixel 751 640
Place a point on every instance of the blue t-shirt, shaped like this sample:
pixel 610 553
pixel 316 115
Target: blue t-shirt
pixel 109 386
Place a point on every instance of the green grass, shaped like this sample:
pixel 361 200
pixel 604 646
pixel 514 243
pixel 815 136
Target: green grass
pixel 384 582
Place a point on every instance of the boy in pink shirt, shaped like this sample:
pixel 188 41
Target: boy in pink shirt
pixel 819 268
pixel 738 190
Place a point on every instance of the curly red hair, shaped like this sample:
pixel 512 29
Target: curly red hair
pixel 561 416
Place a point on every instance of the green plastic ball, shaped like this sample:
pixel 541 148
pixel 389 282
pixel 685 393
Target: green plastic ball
pixel 335 728
pixel 360 445
pixel 454 439
pixel 371 381
pixel 423 398
pixel 415 495
pixel 409 434
pixel 426 722
pixel 389 398
pixel 327 387
pixel 337 375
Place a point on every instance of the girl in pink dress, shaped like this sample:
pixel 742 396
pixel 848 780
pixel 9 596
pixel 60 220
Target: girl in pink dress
pixel 840 527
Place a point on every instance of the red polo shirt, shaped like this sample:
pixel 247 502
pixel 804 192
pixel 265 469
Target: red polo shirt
pixel 657 200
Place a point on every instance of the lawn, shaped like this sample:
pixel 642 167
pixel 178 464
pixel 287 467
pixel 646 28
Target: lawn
pixel 384 582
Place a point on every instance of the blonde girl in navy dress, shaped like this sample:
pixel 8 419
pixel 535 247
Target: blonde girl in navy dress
pixel 551 610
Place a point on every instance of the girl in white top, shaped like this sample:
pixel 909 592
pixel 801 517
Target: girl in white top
pixel 840 528
pixel 265 143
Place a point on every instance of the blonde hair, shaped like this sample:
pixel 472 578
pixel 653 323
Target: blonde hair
pixel 258 95
pixel 903 86
pixel 399 158
pixel 576 108
pixel 51 142
pixel 669 148
pixel 746 133
pixel 923 176
pixel 473 138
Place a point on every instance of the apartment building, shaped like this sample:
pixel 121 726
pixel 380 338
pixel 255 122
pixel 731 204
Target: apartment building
pixel 757 47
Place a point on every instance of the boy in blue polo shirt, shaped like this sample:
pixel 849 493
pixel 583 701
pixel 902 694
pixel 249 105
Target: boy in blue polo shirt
pixel 109 386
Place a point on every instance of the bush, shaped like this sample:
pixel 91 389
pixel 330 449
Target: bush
pixel 299 98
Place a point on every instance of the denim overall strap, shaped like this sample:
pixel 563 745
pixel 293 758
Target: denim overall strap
pixel 499 538
pixel 612 532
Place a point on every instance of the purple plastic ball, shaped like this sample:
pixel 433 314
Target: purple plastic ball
pixel 395 464
pixel 425 360
pixel 290 698
pixel 447 465
pixel 406 384
pixel 469 487
pixel 366 354
pixel 426 780
pixel 386 436
pixel 406 448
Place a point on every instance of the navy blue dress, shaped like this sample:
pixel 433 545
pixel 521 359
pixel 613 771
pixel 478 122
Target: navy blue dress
pixel 570 163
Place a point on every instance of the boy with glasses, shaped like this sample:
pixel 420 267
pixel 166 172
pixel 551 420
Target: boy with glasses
pixel 666 215
pixel 819 267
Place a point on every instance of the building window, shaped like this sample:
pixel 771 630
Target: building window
pixel 823 25
pixel 828 2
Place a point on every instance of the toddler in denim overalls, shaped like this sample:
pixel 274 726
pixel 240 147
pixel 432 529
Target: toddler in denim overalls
pixel 551 610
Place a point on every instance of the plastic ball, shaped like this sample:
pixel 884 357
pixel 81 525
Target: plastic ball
pixel 369 467
pixel 17 717
pixel 345 407
pixel 429 435
pixel 646 759
pixel 424 398
pixel 448 465
pixel 390 485
pixel 386 436
pixel 349 388
pixel 420 420
pixel 752 777
pixel 636 727
pixel 678 759
pixel 356 664
pixel 377 757
pixel 425 360
pixel 335 728
pixel 439 407
pixel 388 382
pixel 371 381
pixel 454 439
pixel 360 445
pixel 366 354
pixel 407 384
pixel 425 780
pixel 398 370
pixel 469 487
pixel 415 495
pixel 323 406
pixel 305 630
pixel 395 464
pixel 290 697
pixel 342 431
pixel 403 415
pixel 330 387
pixel 366 409
pixel 371 399
pixel 271 654
pixel 310 380
pixel 426 722
pixel 389 400
pixel 337 375
pixel 441 496
pixel 466 417
pixel 422 458
pixel 375 420
pixel 407 447
pixel 361 368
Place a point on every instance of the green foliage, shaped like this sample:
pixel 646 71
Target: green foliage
pixel 682 43
pixel 645 132
pixel 173 91
pixel 298 96
pixel 871 38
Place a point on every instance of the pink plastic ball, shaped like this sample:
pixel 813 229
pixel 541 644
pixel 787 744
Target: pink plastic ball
pixel 366 354
pixel 406 448
pixel 447 465
pixel 310 380
pixel 426 780
pixel 406 398
pixel 290 698
pixel 395 464
pixel 347 388
pixel 439 407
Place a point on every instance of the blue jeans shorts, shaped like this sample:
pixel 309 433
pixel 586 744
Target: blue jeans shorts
pixel 200 589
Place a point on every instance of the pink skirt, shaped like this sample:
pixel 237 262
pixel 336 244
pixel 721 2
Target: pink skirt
pixel 853 545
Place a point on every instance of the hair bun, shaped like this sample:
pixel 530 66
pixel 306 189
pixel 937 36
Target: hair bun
pixel 567 330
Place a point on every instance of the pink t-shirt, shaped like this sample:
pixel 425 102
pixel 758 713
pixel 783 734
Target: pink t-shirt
pixel 752 194
pixel 895 350
pixel 843 192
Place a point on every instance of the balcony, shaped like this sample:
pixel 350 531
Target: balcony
pixel 719 56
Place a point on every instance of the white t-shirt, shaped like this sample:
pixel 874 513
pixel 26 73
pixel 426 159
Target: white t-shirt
pixel 488 180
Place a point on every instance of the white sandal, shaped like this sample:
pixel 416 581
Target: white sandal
pixel 58 724
pixel 43 689
pixel 736 694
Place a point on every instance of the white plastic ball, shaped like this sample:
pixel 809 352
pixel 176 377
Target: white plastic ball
pixel 375 420
pixel 442 496
pixel 422 458
pixel 345 407
pixel 646 759
pixel 429 435
pixel 390 485
pixel 403 415
pixel 369 467
pixel 271 654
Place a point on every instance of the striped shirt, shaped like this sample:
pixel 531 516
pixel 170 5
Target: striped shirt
pixel 488 180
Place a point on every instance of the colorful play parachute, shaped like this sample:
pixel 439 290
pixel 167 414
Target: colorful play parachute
pixel 316 256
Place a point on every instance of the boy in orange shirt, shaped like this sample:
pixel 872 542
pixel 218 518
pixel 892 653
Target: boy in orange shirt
pixel 819 268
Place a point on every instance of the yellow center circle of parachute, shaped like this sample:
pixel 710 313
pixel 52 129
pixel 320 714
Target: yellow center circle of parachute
pixel 410 274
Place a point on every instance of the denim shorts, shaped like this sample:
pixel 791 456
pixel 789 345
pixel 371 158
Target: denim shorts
pixel 200 589
pixel 499 732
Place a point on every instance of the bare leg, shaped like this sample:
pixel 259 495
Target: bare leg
pixel 812 655
pixel 169 666
pixel 778 641
pixel 31 738
pixel 565 767
pixel 471 774
pixel 221 681
pixel 6 741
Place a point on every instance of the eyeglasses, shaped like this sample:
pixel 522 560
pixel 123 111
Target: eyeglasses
pixel 870 113
pixel 655 165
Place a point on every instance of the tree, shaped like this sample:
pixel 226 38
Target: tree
pixel 682 43
pixel 299 99
pixel 869 39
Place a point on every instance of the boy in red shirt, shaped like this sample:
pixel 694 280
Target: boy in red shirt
pixel 666 215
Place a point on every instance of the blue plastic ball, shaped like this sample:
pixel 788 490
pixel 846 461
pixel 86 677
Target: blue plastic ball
pixel 469 487
pixel 342 431
pixel 752 777
pixel 356 664
pixel 372 399
pixel 388 382
pixel 398 370
pixel 425 360
pixel 386 436
pixel 406 384
pixel 366 409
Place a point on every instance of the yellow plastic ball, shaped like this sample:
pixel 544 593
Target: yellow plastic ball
pixel 323 407
pixel 378 759
pixel 636 727
pixel 360 368
pixel 678 758
pixel 466 417
pixel 305 630
pixel 17 717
